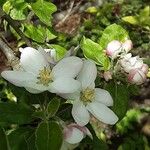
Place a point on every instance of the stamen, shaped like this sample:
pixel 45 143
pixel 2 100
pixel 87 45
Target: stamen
pixel 44 76
pixel 87 95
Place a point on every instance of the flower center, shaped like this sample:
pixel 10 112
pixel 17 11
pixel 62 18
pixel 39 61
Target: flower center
pixel 87 95
pixel 44 76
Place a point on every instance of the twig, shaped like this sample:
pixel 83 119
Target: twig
pixel 68 13
pixel 15 25
pixel 12 59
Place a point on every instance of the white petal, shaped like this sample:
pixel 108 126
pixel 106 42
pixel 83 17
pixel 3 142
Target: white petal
pixel 75 136
pixel 64 85
pixel 103 96
pixel 34 85
pixel 88 74
pixel 71 96
pixel 102 113
pixel 18 78
pixel 80 113
pixel 33 91
pixel 67 67
pixel 32 60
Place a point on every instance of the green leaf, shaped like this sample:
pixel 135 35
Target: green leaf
pixel 94 51
pixel 113 32
pixel 17 14
pixel 131 19
pixel 15 113
pixel 39 34
pixel 60 51
pixel 145 12
pixel 53 107
pixel 44 10
pixel 120 95
pixel 19 137
pixel 4 145
pixel 48 136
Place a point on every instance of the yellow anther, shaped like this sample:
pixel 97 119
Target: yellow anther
pixel 44 76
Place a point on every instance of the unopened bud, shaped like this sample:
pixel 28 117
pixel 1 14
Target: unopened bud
pixel 136 76
pixel 107 75
pixel 127 45
pixel 145 68
pixel 113 48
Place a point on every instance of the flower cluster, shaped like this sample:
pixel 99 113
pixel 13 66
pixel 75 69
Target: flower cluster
pixel 71 78
pixel 133 67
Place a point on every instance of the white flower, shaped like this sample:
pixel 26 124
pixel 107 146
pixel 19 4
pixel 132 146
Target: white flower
pixel 37 76
pixel 91 100
pixel 113 48
pixel 49 54
pixel 73 135
pixel 128 62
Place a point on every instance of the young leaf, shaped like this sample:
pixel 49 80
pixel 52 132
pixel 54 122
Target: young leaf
pixel 17 14
pixel 44 10
pixel 120 95
pixel 95 52
pixel 48 136
pixel 15 113
pixel 4 145
pixel 53 107
pixel 60 51
pixel 131 19
pixel 113 32
pixel 39 34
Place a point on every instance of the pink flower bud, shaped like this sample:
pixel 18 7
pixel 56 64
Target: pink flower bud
pixel 145 68
pixel 107 75
pixel 113 48
pixel 127 45
pixel 136 76
pixel 74 133
pixel 129 63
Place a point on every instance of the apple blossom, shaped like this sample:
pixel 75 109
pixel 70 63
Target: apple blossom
pixel 37 75
pixel 113 48
pixel 90 100
pixel 136 76
pixel 128 62
pixel 127 45
pixel 73 133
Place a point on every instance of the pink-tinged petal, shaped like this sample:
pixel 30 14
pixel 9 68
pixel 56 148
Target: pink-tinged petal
pixel 73 135
pixel 67 67
pixel 102 113
pixel 64 85
pixel 113 48
pixel 80 113
pixel 103 96
pixel 145 68
pixel 88 74
pixel 136 76
pixel 18 78
pixel 84 129
pixel 32 60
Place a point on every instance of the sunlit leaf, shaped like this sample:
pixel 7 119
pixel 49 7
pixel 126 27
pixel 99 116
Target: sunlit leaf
pixel 44 10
